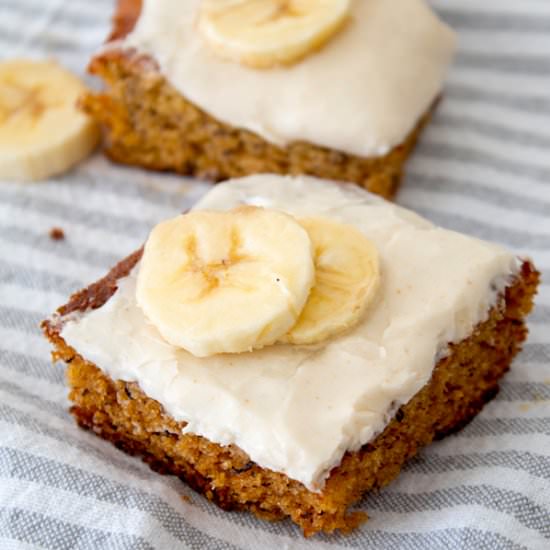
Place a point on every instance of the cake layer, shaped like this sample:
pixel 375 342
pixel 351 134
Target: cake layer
pixel 147 122
pixel 361 94
pixel 298 410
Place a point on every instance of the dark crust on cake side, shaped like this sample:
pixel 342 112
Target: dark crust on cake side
pixel 99 292
pixel 124 18
pixel 460 385
pixel 147 122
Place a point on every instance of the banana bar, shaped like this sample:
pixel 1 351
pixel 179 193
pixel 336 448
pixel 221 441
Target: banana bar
pixel 339 89
pixel 290 343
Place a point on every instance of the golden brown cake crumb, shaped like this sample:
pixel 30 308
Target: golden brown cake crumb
pixel 57 234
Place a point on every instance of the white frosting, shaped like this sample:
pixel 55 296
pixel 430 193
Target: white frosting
pixel 297 410
pixel 362 93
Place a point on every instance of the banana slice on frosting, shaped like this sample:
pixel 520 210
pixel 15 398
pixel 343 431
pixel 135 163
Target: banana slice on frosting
pixel 347 277
pixel 265 33
pixel 216 282
pixel 41 131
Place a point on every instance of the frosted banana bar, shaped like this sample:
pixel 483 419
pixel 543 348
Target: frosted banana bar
pixel 338 89
pixel 299 430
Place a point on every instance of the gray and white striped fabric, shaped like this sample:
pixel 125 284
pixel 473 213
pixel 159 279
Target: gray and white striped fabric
pixel 483 168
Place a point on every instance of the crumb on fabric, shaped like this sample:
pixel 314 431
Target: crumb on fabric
pixel 57 234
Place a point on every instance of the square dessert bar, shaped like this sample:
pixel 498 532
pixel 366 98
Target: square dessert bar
pixel 304 431
pixel 351 111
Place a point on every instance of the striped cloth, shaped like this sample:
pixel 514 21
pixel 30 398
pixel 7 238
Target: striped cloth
pixel 483 168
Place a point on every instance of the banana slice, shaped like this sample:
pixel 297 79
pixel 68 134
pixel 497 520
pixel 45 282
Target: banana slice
pixel 41 131
pixel 215 282
pixel 347 277
pixel 264 33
